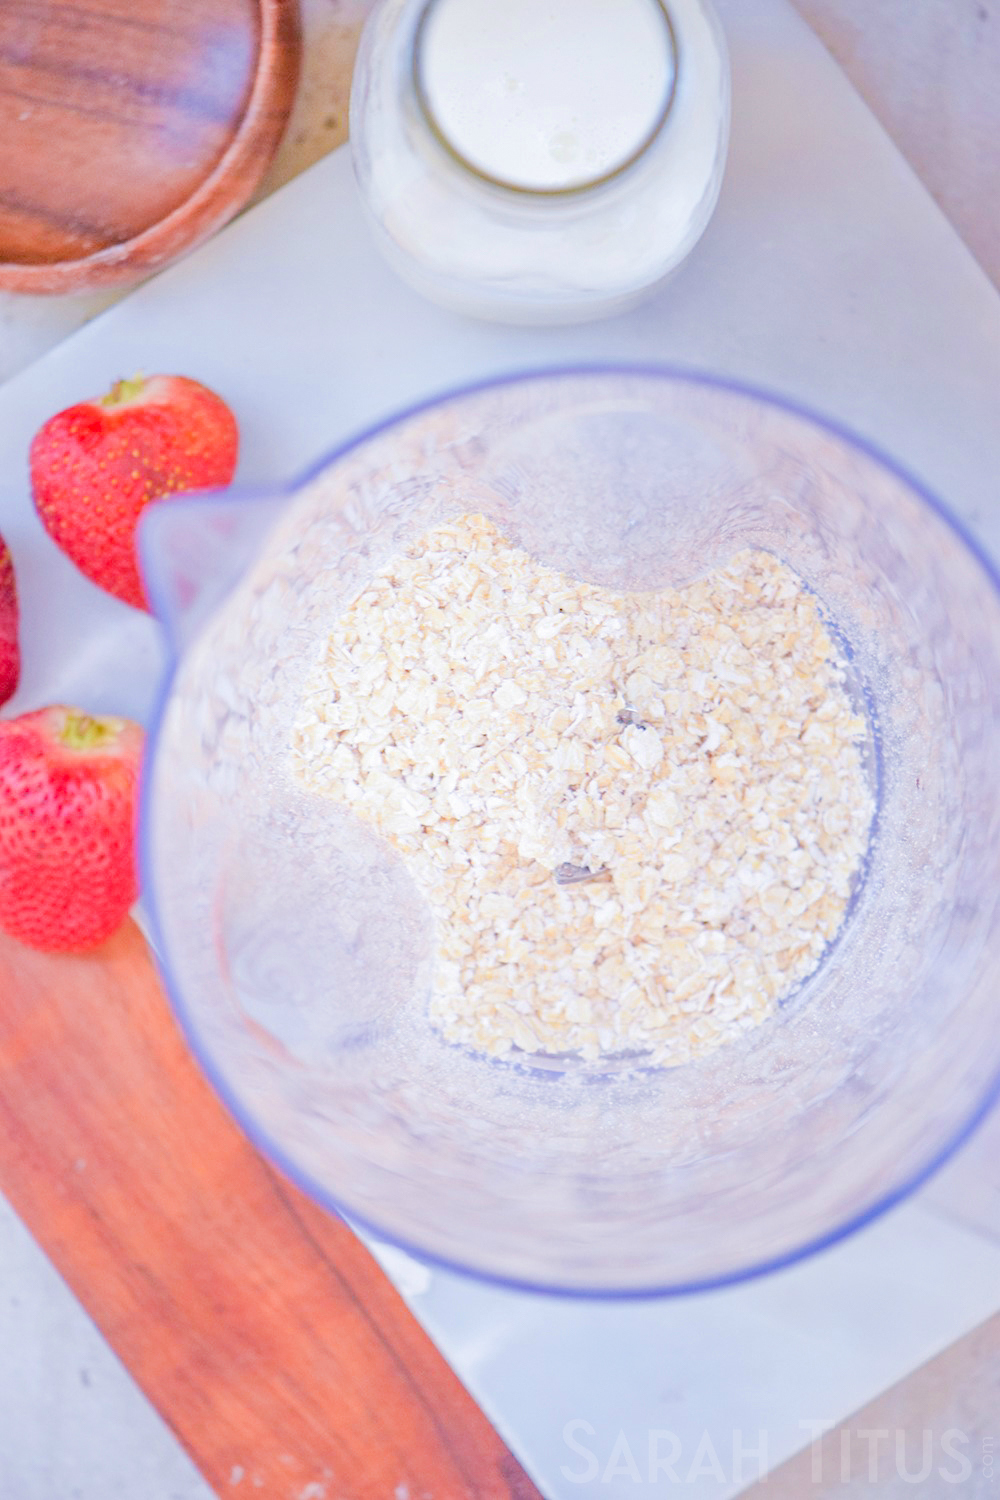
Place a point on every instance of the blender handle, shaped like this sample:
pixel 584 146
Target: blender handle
pixel 194 550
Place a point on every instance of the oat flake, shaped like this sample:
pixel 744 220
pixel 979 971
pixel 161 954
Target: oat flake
pixel 511 730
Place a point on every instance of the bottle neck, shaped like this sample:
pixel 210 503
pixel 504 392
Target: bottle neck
pixel 544 103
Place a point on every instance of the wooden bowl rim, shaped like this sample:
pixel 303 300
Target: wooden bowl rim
pixel 253 142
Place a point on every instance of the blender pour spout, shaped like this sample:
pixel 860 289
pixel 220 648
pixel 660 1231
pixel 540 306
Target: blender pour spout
pixel 194 550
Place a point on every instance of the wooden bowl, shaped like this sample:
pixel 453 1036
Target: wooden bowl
pixel 132 129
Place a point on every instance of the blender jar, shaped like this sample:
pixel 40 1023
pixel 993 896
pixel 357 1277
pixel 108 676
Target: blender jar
pixel 296 945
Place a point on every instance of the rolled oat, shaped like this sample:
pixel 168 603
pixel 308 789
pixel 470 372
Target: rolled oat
pixel 637 817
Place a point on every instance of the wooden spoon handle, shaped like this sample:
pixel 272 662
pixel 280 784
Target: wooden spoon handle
pixel 257 1323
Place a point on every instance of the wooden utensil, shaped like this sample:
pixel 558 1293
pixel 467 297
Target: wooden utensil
pixel 132 129
pixel 258 1324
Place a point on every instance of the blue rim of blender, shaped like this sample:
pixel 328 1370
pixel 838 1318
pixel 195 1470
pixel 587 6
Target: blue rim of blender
pixel 259 1137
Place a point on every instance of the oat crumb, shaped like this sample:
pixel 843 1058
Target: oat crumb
pixel 691 756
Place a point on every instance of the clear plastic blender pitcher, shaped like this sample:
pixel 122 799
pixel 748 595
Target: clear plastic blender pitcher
pixel 297 947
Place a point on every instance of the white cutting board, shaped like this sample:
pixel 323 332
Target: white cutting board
pixel 827 274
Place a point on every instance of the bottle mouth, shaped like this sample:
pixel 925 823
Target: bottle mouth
pixel 573 186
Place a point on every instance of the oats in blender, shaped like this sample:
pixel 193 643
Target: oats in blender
pixel 637 818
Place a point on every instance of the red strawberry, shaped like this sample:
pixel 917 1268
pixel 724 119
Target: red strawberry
pixel 10 651
pixel 95 466
pixel 67 826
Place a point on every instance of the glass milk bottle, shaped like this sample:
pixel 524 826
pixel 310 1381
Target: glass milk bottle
pixel 539 161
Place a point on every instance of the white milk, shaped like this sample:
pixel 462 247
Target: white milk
pixel 546 94
pixel 458 107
